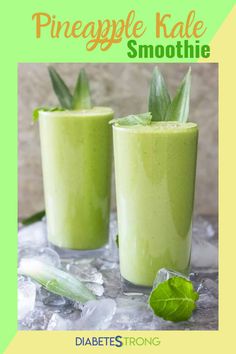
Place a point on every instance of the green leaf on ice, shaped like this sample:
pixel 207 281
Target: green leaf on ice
pixel 60 88
pixel 178 110
pixel 33 218
pixel 55 280
pixel 45 109
pixel 174 299
pixel 81 98
pixel 159 98
pixel 133 119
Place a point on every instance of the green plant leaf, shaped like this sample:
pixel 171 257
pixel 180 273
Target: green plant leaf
pixel 133 119
pixel 159 98
pixel 33 218
pixel 81 98
pixel 45 109
pixel 179 107
pixel 61 90
pixel 174 299
pixel 55 280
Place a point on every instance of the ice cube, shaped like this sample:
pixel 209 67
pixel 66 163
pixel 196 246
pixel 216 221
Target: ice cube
pixel 108 265
pixel 58 323
pixel 34 235
pixel 49 256
pixel 112 282
pixel 37 319
pixel 45 254
pixel 132 310
pixel 84 261
pixel 85 273
pixel 26 298
pixel 96 315
pixel 54 300
pixel 165 274
pixel 97 289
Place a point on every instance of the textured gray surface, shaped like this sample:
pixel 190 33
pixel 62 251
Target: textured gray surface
pixel 124 87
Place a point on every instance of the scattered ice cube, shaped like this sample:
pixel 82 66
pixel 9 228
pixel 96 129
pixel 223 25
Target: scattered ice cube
pixel 83 261
pixel 54 300
pixel 34 235
pixel 21 278
pixel 26 298
pixel 197 281
pixel 42 293
pixel 37 319
pixel 203 284
pixel 165 274
pixel 96 315
pixel 97 289
pixel 45 254
pixel 49 256
pixel 102 263
pixel 112 282
pixel 78 305
pixel 85 273
pixel 68 310
pixel 58 323
pixel 108 265
pixel 132 311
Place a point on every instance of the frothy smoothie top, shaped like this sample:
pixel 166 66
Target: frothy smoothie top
pixel 95 111
pixel 158 127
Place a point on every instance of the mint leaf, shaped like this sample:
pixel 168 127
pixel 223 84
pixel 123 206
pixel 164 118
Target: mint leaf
pixel 159 98
pixel 61 90
pixel 174 299
pixel 45 109
pixel 133 119
pixel 33 218
pixel 81 98
pixel 179 107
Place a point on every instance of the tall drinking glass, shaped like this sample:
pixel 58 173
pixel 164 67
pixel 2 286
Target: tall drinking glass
pixel 155 168
pixel 76 159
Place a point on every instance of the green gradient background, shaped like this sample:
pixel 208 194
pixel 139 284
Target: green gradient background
pixel 20 45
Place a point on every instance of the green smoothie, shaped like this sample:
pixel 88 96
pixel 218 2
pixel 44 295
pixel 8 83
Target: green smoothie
pixel 155 169
pixel 76 160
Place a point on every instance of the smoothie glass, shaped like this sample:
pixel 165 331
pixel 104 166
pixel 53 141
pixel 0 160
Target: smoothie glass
pixel 76 159
pixel 155 168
